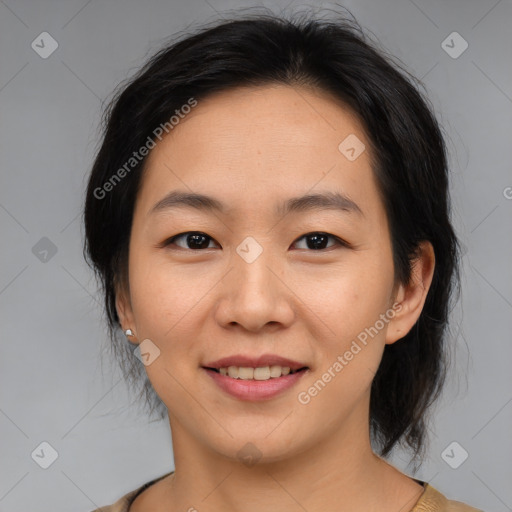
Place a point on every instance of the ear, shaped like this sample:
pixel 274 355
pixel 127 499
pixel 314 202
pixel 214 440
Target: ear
pixel 125 313
pixel 411 297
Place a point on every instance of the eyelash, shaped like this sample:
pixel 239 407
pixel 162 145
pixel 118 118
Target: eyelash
pixel 339 241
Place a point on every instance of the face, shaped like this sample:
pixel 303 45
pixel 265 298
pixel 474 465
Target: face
pixel 312 283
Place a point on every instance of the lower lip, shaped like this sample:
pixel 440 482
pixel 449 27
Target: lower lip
pixel 255 390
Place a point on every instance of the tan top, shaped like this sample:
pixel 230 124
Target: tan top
pixel 430 501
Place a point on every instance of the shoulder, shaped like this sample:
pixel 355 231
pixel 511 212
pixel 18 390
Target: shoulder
pixel 433 501
pixel 123 503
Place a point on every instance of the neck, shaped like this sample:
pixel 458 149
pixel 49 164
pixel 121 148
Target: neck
pixel 338 472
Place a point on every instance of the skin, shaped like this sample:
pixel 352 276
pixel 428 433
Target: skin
pixel 253 148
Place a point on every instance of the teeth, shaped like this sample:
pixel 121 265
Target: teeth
pixel 245 373
pixel 261 373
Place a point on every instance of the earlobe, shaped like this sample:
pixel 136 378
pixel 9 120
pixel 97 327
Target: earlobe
pixel 124 312
pixel 412 296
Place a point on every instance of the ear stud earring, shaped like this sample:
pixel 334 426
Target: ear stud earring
pixel 128 332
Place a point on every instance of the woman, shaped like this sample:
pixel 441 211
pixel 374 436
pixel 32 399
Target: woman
pixel 269 217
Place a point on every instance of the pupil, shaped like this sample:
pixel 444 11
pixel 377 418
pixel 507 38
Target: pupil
pixel 317 241
pixel 195 241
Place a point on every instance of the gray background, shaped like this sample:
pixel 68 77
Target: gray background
pixel 58 386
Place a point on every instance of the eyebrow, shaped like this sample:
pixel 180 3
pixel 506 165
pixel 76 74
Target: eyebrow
pixel 305 203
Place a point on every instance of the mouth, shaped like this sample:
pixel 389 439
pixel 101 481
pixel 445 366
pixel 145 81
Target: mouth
pixel 255 384
pixel 261 373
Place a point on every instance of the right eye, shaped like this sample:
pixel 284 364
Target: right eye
pixel 194 240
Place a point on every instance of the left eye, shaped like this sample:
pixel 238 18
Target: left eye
pixel 318 240
pixel 196 240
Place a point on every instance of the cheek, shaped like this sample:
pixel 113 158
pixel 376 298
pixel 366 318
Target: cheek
pixel 351 302
pixel 164 302
pixel 351 354
pixel 347 298
pixel 164 297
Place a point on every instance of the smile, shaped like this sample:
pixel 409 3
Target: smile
pixel 255 384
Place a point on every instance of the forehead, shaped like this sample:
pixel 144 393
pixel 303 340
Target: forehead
pixel 250 144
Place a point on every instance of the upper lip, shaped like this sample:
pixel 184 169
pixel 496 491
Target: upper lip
pixel 255 362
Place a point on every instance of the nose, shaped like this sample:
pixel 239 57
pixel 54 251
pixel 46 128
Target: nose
pixel 254 296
